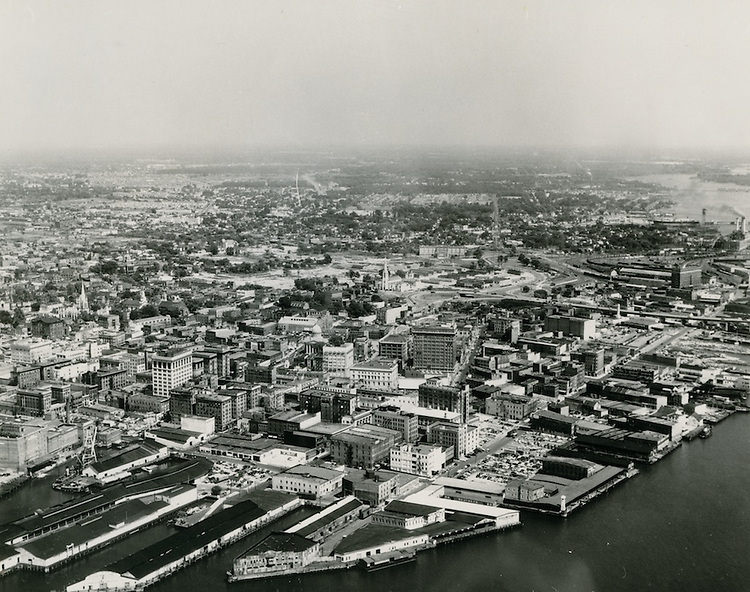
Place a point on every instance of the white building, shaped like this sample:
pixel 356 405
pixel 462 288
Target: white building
pixel 338 360
pixel 30 351
pixel 195 423
pixel 170 371
pixel 308 481
pixel 294 324
pixel 415 459
pixel 376 374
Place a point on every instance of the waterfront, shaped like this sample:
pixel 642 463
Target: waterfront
pixel 682 523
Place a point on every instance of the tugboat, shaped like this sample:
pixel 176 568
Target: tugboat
pixel 705 433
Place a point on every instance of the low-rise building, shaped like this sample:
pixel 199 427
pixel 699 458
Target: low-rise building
pixel 307 481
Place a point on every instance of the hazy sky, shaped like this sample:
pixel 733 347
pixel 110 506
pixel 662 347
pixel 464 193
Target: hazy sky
pixel 192 73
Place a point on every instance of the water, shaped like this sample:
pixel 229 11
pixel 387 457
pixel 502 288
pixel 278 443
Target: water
pixel 723 201
pixel 682 524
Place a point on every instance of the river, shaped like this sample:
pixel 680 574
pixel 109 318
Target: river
pixel 682 524
pixel 723 201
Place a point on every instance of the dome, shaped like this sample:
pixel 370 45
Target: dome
pixel 316 330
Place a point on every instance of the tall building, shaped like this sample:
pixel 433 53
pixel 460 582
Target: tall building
pixel 505 328
pixel 217 406
pixel 338 360
pixel 393 418
pixel 686 278
pixel 35 402
pixel 569 325
pixel 445 398
pixel 434 348
pixel 395 346
pixel 463 438
pixel 170 370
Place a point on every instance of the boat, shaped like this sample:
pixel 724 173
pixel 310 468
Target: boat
pixel 705 433
pixel 389 560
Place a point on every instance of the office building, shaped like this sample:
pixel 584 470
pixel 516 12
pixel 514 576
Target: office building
pixel 377 374
pixel 434 348
pixel 170 370
pixel 422 460
pixel 445 398
pixel 338 360
pixel 393 418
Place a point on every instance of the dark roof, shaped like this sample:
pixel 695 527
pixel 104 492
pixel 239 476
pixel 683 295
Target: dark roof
pixel 168 475
pixel 175 547
pixel 128 455
pixel 350 506
pixel 281 541
pixel 410 509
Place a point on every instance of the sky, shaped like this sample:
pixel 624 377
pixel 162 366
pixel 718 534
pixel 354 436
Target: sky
pixel 561 73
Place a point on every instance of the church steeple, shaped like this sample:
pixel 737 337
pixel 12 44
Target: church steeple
pixel 83 302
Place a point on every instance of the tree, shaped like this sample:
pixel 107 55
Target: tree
pixel 336 340
pixel 18 317
pixel 6 318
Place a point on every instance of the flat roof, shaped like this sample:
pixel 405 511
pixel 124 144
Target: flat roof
pixel 328 515
pixel 409 509
pixel 478 486
pixel 309 472
pixel 164 477
pixel 281 541
pixel 128 455
pixel 175 547
pixel 375 364
pixel 57 541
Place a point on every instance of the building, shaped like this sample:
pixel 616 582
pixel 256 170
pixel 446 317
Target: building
pixel 445 398
pixel 512 407
pixel 442 251
pixel 217 406
pixel 471 491
pixel 593 360
pixel 686 278
pixel 393 418
pixel 48 327
pixel 569 468
pixel 171 370
pixel 334 404
pixel 395 346
pixel 144 403
pixel 638 371
pixel 377 374
pixel 30 351
pixel 408 515
pixel 279 552
pixel 35 402
pixel 363 446
pixel 311 482
pixel 570 325
pixel 131 363
pixel 338 360
pixel 463 438
pixel 434 348
pixel 422 460
pixel 291 421
pixel 506 329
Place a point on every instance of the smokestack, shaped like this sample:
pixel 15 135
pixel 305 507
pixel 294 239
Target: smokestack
pixel 743 225
pixel 703 217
